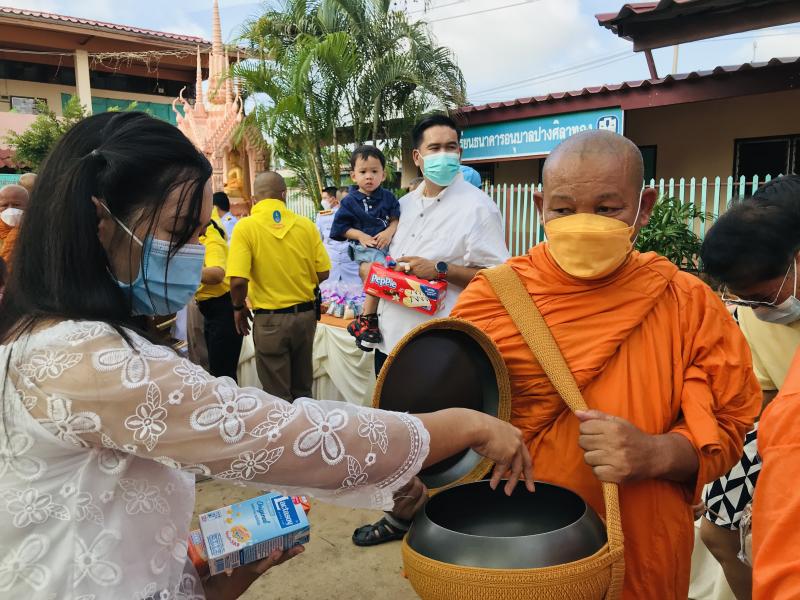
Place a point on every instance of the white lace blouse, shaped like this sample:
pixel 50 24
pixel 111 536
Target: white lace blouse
pixel 100 441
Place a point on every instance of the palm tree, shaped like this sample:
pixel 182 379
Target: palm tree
pixel 340 72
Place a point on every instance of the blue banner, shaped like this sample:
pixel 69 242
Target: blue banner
pixel 536 136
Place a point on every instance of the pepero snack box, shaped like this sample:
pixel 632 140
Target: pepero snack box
pixel 251 530
pixel 412 292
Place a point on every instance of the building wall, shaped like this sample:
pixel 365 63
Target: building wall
pixel 697 140
pixel 52 93
pixel 517 171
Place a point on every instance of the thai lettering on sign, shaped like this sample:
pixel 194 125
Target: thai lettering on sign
pixel 535 136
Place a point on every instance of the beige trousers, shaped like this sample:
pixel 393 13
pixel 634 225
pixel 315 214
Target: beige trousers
pixel 284 345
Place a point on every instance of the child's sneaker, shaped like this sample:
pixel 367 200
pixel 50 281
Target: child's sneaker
pixel 357 326
pixel 371 335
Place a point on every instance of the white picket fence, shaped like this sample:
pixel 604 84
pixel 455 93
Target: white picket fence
pixel 712 197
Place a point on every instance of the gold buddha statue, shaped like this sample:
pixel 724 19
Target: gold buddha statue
pixel 235 178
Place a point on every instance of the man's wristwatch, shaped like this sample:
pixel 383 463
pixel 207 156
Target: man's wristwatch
pixel 441 270
pixel 238 308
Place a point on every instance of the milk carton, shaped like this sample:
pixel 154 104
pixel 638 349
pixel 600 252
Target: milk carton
pixel 251 530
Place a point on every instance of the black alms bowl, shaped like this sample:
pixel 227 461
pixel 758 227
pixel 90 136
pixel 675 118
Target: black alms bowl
pixel 474 526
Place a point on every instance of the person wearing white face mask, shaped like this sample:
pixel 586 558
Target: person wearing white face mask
pixel 752 251
pixel 103 430
pixel 13 202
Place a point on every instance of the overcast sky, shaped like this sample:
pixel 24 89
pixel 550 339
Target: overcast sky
pixel 507 49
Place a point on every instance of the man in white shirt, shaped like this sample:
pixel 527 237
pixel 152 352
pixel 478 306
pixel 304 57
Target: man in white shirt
pixel 448 229
pixel 227 219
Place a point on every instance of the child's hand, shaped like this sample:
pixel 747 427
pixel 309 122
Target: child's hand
pixel 367 240
pixel 383 239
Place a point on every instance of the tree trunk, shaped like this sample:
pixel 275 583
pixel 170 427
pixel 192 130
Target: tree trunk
pixel 376 122
pixel 337 165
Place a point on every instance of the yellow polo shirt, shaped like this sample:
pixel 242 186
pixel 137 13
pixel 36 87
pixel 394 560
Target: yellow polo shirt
pixel 216 256
pixel 773 347
pixel 280 253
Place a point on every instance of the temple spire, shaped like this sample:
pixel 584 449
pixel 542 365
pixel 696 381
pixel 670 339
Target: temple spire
pixel 228 82
pixel 217 31
pixel 198 86
pixel 217 64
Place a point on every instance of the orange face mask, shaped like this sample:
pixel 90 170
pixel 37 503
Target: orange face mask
pixel 589 246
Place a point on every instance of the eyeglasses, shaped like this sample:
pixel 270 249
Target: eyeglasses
pixel 729 298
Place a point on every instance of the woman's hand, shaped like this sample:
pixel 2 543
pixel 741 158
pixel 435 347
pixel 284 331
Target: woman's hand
pixel 502 443
pixel 230 586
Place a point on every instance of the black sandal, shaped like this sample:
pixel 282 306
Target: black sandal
pixel 377 533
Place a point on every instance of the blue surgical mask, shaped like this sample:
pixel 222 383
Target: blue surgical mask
pixel 168 288
pixel 441 168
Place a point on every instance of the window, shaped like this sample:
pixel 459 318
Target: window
pixel 99 80
pixel 25 105
pixel 649 157
pixel 155 109
pixel 766 156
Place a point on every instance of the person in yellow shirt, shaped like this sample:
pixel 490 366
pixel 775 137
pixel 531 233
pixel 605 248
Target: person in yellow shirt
pixel 213 297
pixel 278 260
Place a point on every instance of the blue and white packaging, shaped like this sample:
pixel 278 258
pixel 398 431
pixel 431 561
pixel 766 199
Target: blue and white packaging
pixel 251 530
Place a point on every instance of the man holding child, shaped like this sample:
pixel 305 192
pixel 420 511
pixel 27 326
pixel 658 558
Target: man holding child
pixel 448 229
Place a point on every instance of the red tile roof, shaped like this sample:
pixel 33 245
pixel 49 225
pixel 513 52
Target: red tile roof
pixel 8 159
pixel 642 83
pixel 630 9
pixel 36 15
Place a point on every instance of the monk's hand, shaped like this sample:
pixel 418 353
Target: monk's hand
pixel 418 267
pixel 617 450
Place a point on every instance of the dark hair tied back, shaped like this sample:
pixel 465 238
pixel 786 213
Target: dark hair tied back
pixel 60 269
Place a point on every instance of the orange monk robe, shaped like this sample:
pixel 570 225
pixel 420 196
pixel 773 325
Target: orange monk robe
pixel 776 534
pixel 8 239
pixel 652 345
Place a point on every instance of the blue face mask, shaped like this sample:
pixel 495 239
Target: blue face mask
pixel 167 289
pixel 441 168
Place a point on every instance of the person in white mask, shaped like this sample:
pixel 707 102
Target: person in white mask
pixel 752 252
pixel 13 202
pixel 449 230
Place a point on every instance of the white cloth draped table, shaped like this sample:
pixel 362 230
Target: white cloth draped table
pixel 341 371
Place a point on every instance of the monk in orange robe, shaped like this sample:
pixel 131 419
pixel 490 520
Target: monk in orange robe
pixel 13 202
pixel 776 536
pixel 659 360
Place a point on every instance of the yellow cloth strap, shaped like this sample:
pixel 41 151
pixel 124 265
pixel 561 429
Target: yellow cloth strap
pixel 531 324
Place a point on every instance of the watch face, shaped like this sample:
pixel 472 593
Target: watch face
pixel 441 267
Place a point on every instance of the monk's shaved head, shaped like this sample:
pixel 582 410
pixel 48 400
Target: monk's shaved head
pixel 597 142
pixel 27 180
pixel 269 185
pixel 13 196
pixel 596 172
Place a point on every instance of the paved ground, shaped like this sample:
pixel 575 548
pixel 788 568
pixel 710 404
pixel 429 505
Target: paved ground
pixel 331 568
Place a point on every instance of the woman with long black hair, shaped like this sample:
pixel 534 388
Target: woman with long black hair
pixel 102 430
